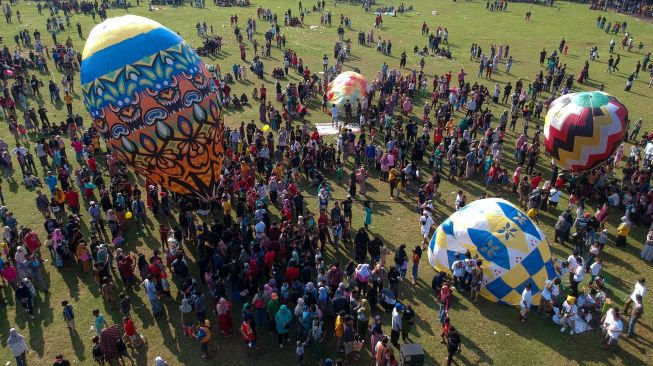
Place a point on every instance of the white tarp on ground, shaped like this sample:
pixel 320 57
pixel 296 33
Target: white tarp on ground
pixel 327 129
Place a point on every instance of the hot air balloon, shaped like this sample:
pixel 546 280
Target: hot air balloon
pixel 154 103
pixel 513 249
pixel 348 85
pixel 583 130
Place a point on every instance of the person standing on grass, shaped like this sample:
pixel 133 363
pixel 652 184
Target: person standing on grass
pixel 282 321
pixel 635 315
pixel 100 323
pixel 526 302
pixel 408 322
pixel 640 289
pixel 203 336
pixel 348 338
pixel 16 342
pixel 68 315
pixel 396 324
pixel 454 344
pixel 417 255
pixel 477 280
pixel 96 351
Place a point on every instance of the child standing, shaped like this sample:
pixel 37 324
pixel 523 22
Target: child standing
pixel 100 323
pixel 125 304
pixel 368 214
pixel 98 356
pixel 299 353
pixel 417 255
pixel 404 269
pixel 68 315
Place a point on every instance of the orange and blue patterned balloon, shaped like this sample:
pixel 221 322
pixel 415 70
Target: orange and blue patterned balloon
pixel 583 130
pixel 154 103
pixel 348 85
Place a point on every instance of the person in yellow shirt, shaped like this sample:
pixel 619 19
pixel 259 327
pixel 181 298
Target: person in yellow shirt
pixel 622 232
pixel 68 99
pixel 226 206
pixel 340 330
pixel 392 179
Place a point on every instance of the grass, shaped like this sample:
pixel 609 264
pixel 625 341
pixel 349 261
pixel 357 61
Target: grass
pixel 491 333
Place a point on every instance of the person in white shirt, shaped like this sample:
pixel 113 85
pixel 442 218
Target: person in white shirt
pixel 640 289
pixel 554 197
pixel 574 261
pixel 579 274
pixel 526 302
pixel 425 222
pixel 613 330
pixel 595 269
pixel 570 311
pixel 585 300
pixel 546 299
pixel 458 271
pixel 470 263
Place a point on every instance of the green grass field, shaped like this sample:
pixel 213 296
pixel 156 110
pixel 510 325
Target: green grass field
pixel 491 332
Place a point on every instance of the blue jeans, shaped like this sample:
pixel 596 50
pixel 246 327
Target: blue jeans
pixel 415 270
pixel 20 361
pixel 443 314
pixel 631 326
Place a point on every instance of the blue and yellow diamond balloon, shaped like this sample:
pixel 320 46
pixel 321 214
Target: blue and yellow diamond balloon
pixel 513 249
pixel 154 103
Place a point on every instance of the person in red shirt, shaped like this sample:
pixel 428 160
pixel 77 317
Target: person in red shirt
pixel 164 232
pixel 248 335
pixel 33 243
pixel 72 199
pixel 263 92
pixel 292 273
pixel 445 329
pixel 535 181
pixel 268 259
pixel 92 164
pixel 126 269
pixel 133 338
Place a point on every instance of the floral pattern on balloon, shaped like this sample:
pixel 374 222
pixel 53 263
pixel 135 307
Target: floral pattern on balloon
pixel 155 104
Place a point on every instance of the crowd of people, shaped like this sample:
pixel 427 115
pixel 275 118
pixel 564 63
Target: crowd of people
pixel 240 268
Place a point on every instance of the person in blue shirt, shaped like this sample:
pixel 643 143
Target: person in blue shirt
pixel 51 181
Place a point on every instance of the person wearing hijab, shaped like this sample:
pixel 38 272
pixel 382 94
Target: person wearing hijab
pixel 299 315
pixel 396 324
pixel 273 307
pixel 284 294
pixel 223 309
pixel 282 319
pixel 187 321
pixel 362 277
pixel 18 347
pixel 622 231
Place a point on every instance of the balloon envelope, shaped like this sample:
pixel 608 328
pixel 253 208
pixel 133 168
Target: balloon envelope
pixel 154 103
pixel 513 249
pixel 348 85
pixel 583 130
